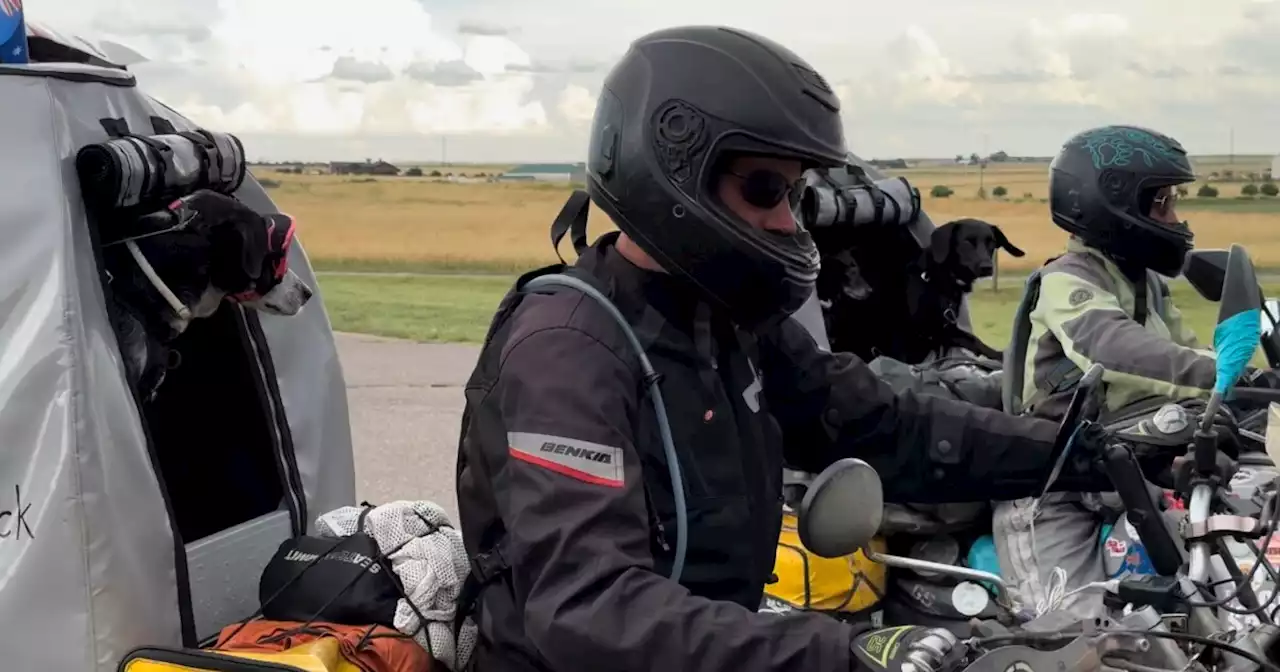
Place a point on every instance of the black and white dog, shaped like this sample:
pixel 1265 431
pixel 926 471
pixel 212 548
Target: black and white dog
pixel 885 294
pixel 178 264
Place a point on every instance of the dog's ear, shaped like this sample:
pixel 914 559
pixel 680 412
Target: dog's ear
pixel 246 232
pixel 240 252
pixel 941 241
pixel 251 238
pixel 1003 242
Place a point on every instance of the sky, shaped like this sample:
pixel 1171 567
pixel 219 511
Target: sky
pixel 517 80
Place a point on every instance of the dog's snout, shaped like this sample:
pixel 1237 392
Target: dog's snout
pixel 286 298
pixel 986 269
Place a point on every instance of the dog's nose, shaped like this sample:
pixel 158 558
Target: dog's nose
pixel 306 292
pixel 986 269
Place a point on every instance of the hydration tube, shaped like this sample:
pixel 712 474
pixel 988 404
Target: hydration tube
pixel 660 408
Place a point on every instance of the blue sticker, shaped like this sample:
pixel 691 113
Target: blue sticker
pixel 13 33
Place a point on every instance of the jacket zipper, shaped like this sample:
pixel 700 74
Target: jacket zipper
pixel 659 530
pixel 662 535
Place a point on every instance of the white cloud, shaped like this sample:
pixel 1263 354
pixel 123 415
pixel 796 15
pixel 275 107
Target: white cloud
pixel 1096 25
pixel 577 104
pixel 513 80
pixel 318 68
pixel 924 74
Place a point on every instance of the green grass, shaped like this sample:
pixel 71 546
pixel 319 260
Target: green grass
pixel 439 309
pixel 446 266
pixel 457 309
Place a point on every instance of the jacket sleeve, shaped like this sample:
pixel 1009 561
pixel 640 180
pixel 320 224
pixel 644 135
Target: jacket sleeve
pixel 571 498
pixel 1092 327
pixel 927 449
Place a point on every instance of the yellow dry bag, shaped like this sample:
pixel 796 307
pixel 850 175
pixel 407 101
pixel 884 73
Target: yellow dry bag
pixel 850 584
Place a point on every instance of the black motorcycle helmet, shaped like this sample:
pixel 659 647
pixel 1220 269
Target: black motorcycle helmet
pixel 1103 185
pixel 679 105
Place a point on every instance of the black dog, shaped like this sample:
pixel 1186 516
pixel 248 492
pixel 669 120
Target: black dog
pixel 885 294
pixel 965 250
pixel 960 252
pixel 178 265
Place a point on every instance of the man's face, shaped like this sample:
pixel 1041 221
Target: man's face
pixel 1164 206
pixel 764 191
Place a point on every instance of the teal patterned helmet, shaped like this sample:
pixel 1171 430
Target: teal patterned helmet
pixel 1103 185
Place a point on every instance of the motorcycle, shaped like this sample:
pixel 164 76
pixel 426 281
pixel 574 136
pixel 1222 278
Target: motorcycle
pixel 856 587
pixel 1174 619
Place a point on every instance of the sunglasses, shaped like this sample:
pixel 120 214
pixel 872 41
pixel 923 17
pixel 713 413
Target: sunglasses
pixel 765 189
pixel 1164 204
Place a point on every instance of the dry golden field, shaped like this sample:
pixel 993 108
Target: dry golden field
pixel 408 222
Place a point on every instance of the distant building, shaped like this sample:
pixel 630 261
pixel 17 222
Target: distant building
pixel 547 172
pixel 379 167
pixel 892 164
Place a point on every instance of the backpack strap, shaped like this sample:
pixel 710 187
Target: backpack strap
pixel 1015 356
pixel 572 220
pixel 1157 293
pixel 486 568
pixel 1141 290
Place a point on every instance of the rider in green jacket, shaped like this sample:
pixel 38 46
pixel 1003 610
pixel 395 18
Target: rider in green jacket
pixel 1114 189
pixel 1090 311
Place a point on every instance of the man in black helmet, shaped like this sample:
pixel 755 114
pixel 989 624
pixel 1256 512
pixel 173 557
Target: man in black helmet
pixel 700 137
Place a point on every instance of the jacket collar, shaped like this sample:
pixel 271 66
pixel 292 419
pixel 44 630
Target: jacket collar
pixel 1076 245
pixel 663 309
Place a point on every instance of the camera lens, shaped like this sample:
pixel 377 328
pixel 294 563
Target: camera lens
pixel 817 206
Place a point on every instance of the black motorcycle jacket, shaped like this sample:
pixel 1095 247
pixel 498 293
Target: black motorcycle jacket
pixel 565 500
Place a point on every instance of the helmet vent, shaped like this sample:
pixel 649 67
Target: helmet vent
pixel 680 135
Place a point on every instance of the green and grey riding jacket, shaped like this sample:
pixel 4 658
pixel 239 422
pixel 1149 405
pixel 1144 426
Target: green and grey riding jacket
pixel 1088 313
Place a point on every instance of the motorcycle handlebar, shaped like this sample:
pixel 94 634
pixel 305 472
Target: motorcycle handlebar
pixel 1257 394
pixel 1198 512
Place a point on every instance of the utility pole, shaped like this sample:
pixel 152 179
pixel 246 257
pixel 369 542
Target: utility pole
pixel 982 188
pixel 444 151
pixel 982 167
pixel 1231 158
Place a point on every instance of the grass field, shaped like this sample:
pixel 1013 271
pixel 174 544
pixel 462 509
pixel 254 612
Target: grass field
pixel 424 224
pixel 354 223
pixel 458 308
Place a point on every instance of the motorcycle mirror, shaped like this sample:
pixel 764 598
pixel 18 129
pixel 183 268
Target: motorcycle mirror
pixel 1269 321
pixel 1206 270
pixel 842 509
pixel 1087 398
pixel 1235 338
pixel 1270 317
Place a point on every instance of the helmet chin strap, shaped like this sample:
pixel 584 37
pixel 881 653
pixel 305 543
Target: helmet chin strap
pixel 169 297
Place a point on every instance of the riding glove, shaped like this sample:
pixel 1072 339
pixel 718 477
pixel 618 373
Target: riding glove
pixel 889 648
pixel 1224 423
pixel 1155 460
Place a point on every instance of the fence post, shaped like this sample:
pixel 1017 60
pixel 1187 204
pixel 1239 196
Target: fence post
pixel 995 272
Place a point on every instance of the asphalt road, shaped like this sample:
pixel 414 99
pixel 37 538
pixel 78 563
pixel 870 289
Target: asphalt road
pixel 405 401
